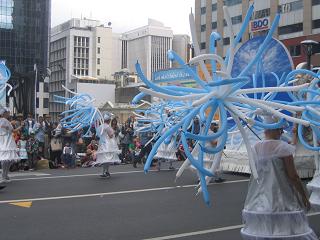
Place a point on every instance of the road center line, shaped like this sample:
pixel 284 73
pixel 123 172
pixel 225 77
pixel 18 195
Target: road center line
pixel 74 175
pixel 79 175
pixel 202 232
pixel 114 193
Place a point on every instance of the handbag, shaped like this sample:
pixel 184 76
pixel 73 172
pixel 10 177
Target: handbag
pixel 56 144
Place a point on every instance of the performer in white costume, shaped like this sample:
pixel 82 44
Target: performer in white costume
pixel 8 147
pixel 274 207
pixel 167 152
pixel 108 149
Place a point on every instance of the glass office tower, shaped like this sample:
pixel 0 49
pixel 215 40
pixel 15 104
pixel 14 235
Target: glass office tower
pixel 24 41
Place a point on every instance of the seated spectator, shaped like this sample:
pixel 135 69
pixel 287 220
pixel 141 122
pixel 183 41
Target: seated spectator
pixel 88 160
pixel 93 145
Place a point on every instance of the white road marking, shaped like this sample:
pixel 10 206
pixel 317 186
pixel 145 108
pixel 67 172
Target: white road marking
pixel 114 193
pixel 197 233
pixel 25 174
pixel 74 175
pixel 222 229
pixel 81 175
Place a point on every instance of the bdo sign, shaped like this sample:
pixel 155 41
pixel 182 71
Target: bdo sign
pixel 259 24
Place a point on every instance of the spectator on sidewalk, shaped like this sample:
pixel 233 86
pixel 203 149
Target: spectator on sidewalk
pixel 22 151
pixel 39 130
pixel 29 124
pixel 32 150
pixel 68 156
pixel 56 145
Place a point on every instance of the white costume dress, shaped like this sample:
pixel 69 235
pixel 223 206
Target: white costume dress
pixel 8 147
pixel 167 151
pixel 108 148
pixel 273 208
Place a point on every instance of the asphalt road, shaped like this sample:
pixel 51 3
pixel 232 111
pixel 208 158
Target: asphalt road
pixel 78 204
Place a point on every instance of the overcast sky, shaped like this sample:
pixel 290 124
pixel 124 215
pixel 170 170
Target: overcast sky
pixel 126 14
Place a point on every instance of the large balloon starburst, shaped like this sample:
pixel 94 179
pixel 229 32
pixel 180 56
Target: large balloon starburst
pixel 227 97
pixel 82 112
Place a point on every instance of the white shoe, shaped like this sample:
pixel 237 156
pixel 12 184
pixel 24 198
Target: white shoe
pixel 6 180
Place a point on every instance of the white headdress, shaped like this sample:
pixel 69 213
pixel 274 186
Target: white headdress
pixel 107 116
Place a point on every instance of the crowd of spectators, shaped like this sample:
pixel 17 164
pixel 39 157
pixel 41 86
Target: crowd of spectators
pixel 43 138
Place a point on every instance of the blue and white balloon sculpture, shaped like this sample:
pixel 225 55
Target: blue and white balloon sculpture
pixel 5 75
pixel 82 112
pixel 227 95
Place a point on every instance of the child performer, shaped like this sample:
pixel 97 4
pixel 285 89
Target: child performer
pixel 108 150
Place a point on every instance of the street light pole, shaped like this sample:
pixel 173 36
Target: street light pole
pixel 308 46
pixel 35 90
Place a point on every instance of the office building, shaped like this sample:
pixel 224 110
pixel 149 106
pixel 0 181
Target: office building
pixel 24 41
pixel 148 45
pixel 298 18
pixel 181 44
pixel 80 50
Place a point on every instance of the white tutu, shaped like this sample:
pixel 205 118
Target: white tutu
pixel 314 187
pixel 8 147
pixel 108 151
pixel 167 152
pixel 304 161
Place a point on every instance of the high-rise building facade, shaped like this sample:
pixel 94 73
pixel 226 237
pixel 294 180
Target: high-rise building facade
pixel 80 49
pixel 182 46
pixel 24 39
pixel 298 18
pixel 148 45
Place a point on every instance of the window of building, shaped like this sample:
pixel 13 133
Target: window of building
pixel 262 13
pixel 98 72
pixel 46 87
pixel 231 2
pixel 289 7
pixel 298 27
pixel 316 23
pixel 203 45
pixel 6 13
pixel 37 102
pixel 295 50
pixel 203 28
pixel 236 19
pixel 316 49
pixel 203 10
pixel 315 2
pixel 214 7
pixel 98 60
pixel 98 50
pixel 99 39
pixel 46 102
pixel 226 41
pixel 214 25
